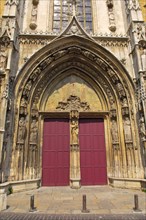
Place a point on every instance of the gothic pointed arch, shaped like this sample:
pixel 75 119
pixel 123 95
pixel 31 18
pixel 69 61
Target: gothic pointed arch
pixel 60 77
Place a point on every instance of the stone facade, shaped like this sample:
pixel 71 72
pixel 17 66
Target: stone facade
pixel 97 73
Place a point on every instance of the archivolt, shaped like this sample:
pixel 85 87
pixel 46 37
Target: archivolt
pixel 95 64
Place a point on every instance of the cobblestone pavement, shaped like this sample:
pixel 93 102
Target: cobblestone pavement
pixel 58 203
pixel 25 216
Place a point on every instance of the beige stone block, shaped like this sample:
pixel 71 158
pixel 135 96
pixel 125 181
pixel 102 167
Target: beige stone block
pixel 3 200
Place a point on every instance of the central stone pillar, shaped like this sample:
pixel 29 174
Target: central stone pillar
pixel 75 175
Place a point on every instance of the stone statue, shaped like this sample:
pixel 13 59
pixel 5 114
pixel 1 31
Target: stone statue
pixel 23 106
pixel 143 60
pixel 142 128
pixel 34 14
pixel 114 131
pixel 21 130
pixel 27 88
pixel 3 58
pixel 127 129
pixel 34 132
pixel 74 132
pixel 120 89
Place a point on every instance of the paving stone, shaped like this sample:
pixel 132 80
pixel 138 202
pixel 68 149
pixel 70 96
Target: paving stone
pixel 37 216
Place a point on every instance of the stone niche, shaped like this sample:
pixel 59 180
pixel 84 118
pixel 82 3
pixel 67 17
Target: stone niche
pixel 71 90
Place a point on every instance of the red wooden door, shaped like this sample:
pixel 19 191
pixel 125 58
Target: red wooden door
pixel 93 154
pixel 55 158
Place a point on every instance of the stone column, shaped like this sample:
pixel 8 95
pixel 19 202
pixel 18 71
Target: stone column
pixel 75 175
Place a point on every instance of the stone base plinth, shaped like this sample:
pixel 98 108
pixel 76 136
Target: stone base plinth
pixel 75 183
pixel 19 186
pixel 128 183
pixel 3 199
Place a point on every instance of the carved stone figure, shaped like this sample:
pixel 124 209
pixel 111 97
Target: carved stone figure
pixel 141 31
pixel 74 131
pixel 142 128
pixel 143 60
pixel 21 130
pixel 112 24
pixel 120 90
pixel 3 58
pixel 34 131
pixel 35 74
pixel 124 103
pixel 34 11
pixel 23 106
pixel 114 131
pixel 127 129
pixel 34 14
pixel 27 88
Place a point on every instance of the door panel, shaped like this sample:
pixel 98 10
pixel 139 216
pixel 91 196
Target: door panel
pixel 92 152
pixel 55 159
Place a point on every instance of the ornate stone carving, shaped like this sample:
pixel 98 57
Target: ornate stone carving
pixel 127 129
pixel 74 50
pixel 59 54
pixel 113 114
pixel 88 54
pixel 34 109
pixel 21 131
pixel 12 2
pixel 143 60
pixel 3 58
pixel 133 5
pixel 33 132
pixel 114 132
pixel 112 24
pixel 74 147
pixel 113 75
pixel 23 106
pixel 27 88
pixel 141 31
pixel 74 140
pixel 5 93
pixel 142 128
pixel 33 24
pixel 73 102
pixel 101 63
pixel 125 111
pixel 120 90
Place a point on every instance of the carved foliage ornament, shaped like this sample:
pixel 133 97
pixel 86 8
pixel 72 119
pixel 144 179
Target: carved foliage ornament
pixel 73 102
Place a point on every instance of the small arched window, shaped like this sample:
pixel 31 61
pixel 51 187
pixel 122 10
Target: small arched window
pixel 63 12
